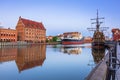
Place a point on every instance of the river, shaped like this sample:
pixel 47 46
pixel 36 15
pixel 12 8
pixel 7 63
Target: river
pixel 47 62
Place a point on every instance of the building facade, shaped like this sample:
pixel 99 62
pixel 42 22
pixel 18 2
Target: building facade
pixel 8 35
pixel 30 31
pixel 87 39
pixel 75 35
pixel 116 34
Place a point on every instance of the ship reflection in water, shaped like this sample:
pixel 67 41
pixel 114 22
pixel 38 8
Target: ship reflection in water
pixel 71 49
pixel 98 54
pixel 26 57
pixel 45 62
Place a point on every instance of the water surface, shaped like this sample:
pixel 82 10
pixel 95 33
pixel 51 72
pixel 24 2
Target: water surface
pixel 51 62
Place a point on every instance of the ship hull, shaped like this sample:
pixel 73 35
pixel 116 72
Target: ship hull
pixel 72 42
pixel 98 45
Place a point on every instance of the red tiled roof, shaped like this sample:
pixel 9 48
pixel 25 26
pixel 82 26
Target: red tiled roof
pixel 115 29
pixel 32 24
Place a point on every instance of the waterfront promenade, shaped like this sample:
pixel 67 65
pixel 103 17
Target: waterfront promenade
pixel 118 57
pixel 100 71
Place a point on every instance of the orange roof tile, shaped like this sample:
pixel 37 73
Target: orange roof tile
pixel 32 24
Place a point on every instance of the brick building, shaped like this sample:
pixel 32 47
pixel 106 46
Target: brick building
pixel 49 38
pixel 30 31
pixel 116 34
pixel 8 35
pixel 87 39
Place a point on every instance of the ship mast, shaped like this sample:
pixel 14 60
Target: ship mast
pixel 97 22
pixel 98 36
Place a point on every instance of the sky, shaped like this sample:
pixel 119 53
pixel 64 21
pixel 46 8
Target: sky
pixel 59 16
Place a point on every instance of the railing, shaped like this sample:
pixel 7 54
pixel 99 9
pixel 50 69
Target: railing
pixel 113 63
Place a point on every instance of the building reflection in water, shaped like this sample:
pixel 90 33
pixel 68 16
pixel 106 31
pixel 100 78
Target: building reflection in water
pixel 71 49
pixel 98 54
pixel 26 57
pixel 30 56
pixel 8 54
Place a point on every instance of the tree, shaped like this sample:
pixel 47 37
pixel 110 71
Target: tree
pixel 55 39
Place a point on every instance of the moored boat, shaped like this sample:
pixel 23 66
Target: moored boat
pixel 98 40
pixel 72 38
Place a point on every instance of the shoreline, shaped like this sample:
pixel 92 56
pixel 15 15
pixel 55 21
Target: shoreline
pixel 25 43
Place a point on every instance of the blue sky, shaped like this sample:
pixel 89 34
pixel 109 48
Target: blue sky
pixel 60 16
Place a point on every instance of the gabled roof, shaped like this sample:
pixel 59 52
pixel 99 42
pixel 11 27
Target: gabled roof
pixel 27 65
pixel 32 24
pixel 115 29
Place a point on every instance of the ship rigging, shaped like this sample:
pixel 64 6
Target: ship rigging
pixel 98 40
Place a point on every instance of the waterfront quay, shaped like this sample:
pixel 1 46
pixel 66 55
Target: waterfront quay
pixel 22 43
pixel 108 67
pixel 118 56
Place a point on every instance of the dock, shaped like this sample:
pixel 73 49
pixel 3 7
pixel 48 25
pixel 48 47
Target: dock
pixel 100 71
pixel 118 56
pixel 109 67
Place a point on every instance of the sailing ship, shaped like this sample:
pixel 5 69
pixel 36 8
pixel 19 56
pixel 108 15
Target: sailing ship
pixel 71 38
pixel 98 40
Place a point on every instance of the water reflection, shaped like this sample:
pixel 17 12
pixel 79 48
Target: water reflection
pixel 26 57
pixel 57 66
pixel 98 54
pixel 71 49
pixel 8 54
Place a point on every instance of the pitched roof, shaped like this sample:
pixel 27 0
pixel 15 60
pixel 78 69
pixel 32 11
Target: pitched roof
pixel 32 24
pixel 27 65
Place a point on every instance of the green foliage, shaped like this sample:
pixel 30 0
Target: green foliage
pixel 55 39
pixel 47 40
